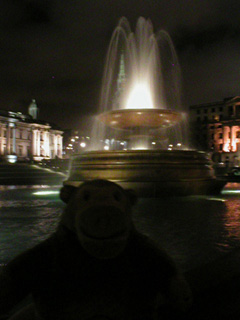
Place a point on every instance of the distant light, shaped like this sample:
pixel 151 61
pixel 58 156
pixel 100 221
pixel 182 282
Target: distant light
pixel 11 158
pixel 153 142
pixel 170 146
pixel 70 145
pixel 140 148
pixel 179 144
pixel 83 144
pixel 44 193
pixel 216 199
pixel 230 192
pixel 106 147
pixel 73 140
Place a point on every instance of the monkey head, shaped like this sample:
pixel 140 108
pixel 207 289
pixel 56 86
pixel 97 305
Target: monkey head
pixel 99 212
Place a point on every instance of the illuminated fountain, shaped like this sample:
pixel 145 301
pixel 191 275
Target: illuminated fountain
pixel 142 72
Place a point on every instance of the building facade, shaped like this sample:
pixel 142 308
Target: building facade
pixel 215 127
pixel 24 138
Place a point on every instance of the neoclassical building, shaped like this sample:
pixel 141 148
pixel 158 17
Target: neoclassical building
pixel 25 137
pixel 215 127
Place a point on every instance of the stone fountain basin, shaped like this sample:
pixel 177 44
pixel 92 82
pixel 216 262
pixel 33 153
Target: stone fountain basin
pixel 151 173
pixel 127 119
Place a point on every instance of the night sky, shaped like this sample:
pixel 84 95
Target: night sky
pixel 54 51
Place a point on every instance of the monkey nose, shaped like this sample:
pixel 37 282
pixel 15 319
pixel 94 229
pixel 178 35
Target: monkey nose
pixel 103 223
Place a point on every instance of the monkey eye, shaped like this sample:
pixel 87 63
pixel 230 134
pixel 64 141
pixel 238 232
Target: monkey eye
pixel 117 196
pixel 86 195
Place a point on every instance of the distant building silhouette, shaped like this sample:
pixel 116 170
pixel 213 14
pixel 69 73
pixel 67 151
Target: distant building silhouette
pixel 119 96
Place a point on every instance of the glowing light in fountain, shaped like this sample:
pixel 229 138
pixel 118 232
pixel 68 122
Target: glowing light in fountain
pixel 140 97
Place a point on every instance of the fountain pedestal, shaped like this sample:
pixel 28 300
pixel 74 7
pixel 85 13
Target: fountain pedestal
pixel 146 119
pixel 151 173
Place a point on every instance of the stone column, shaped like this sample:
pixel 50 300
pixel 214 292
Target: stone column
pixel 10 156
pixel 8 139
pixel 38 142
pixel 14 139
pixel 225 138
pixel 33 142
pixel 60 145
pixel 55 145
pixel 2 136
pixel 233 138
pixel 46 143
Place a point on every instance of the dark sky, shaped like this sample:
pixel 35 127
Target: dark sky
pixel 54 51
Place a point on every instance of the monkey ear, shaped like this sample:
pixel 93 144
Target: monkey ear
pixel 67 192
pixel 132 196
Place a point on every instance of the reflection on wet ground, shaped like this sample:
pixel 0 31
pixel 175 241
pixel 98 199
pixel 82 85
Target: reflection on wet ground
pixel 26 217
pixel 194 230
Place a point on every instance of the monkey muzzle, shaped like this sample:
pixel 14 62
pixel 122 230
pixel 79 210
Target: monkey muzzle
pixel 103 230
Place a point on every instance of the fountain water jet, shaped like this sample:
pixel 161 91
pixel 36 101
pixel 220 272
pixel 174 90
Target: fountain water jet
pixel 136 79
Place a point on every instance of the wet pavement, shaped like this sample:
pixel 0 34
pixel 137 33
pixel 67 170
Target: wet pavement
pixel 202 234
pixel 29 174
